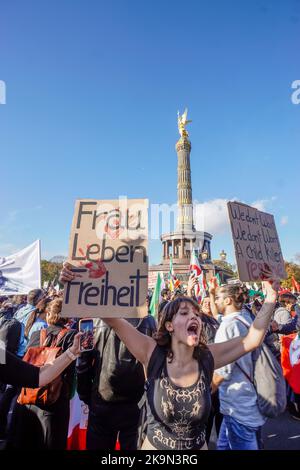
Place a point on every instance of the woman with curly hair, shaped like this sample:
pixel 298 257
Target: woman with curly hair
pixel 179 367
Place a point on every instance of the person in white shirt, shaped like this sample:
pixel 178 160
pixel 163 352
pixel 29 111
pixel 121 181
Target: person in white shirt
pixel 242 421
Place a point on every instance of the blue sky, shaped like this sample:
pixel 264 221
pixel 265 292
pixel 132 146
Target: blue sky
pixel 92 93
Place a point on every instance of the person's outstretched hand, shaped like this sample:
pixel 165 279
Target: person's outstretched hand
pixel 192 282
pixel 66 274
pixel 213 284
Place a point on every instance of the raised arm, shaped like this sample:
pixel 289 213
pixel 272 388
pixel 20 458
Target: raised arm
pixel 212 292
pixel 140 345
pixel 192 282
pixel 49 372
pixel 229 351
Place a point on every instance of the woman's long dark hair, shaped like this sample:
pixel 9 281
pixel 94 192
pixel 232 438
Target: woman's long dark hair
pixel 163 337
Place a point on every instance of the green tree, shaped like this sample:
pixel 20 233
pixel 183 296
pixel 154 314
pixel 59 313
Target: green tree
pixel 50 271
pixel 226 266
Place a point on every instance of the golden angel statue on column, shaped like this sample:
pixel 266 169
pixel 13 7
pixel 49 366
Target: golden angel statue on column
pixel 182 122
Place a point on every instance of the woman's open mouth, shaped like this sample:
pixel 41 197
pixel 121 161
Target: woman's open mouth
pixel 193 329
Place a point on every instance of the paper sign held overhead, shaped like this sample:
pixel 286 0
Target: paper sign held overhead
pixel 256 243
pixel 109 250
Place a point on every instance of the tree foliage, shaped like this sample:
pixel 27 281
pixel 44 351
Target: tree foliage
pixel 50 271
pixel 226 266
pixel 292 269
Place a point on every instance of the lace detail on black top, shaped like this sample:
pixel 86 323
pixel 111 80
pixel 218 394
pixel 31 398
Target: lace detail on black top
pixel 177 415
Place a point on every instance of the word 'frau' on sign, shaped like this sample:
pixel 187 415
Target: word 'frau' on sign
pixel 126 219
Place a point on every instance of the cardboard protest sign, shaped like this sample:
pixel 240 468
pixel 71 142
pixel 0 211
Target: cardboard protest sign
pixel 109 249
pixel 152 277
pixel 256 243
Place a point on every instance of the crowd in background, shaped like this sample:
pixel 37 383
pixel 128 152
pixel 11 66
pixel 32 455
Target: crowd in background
pixel 111 381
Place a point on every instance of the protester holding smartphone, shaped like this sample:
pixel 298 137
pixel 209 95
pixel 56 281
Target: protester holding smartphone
pixel 180 367
pixel 46 427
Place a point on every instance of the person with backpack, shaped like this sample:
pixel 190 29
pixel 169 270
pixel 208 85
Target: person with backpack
pixel 41 421
pixel 242 417
pixel 111 381
pixel 179 368
pixel 10 335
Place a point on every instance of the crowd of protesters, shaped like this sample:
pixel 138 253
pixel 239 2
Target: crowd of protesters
pixel 197 354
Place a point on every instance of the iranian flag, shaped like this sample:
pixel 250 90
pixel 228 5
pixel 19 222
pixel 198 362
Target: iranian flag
pixel 156 296
pixel 290 360
pixel 218 279
pixel 174 283
pixel 79 413
pixel 195 265
pixel 203 285
pixel 195 268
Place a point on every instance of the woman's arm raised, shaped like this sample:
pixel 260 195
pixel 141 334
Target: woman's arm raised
pixel 140 345
pixel 229 351
pixel 212 294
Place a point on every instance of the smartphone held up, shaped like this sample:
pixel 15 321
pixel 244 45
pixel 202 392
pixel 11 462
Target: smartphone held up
pixel 86 327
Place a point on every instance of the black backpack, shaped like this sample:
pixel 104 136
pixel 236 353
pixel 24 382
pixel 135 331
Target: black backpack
pixel 268 380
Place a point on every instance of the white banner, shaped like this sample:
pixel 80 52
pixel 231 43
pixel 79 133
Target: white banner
pixel 21 272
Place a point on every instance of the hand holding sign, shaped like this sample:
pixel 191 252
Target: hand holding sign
pixel 213 284
pixel 266 273
pixel 257 248
pixel 108 259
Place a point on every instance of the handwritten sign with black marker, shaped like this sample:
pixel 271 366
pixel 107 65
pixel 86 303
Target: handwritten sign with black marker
pixel 109 249
pixel 256 243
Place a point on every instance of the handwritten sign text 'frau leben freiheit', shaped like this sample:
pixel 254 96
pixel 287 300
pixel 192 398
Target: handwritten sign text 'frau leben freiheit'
pixel 256 243
pixel 109 250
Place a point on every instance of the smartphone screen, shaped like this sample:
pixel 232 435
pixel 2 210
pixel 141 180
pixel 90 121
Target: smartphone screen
pixel 87 339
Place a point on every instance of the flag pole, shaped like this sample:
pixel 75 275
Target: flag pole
pixel 40 281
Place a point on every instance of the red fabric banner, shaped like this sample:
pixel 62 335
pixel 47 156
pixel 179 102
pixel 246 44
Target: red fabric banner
pixel 291 373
